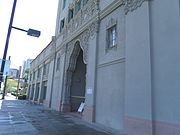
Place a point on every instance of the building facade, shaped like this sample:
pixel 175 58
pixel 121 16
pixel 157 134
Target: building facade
pixel 6 67
pixel 26 66
pixel 13 73
pixel 120 58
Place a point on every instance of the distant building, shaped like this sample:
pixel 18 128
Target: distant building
pixel 6 70
pixel 26 66
pixel 7 66
pixel 13 73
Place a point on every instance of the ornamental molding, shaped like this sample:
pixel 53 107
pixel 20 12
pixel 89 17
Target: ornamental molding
pixel 93 29
pixel 83 39
pixel 72 51
pixel 84 44
pixel 81 18
pixel 131 5
pixel 71 6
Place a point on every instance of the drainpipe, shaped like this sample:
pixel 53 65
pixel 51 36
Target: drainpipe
pixel 50 102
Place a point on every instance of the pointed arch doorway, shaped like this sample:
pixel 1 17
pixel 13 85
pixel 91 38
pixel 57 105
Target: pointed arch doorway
pixel 76 78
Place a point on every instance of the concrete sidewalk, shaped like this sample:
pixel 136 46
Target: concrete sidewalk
pixel 24 118
pixel 8 96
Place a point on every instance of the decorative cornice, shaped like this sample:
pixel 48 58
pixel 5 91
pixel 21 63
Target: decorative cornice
pixel 93 28
pixel 131 5
pixel 82 17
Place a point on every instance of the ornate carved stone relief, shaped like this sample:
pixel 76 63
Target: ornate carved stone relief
pixel 71 5
pixel 70 47
pixel 131 5
pixel 83 38
pixel 63 49
pixel 93 28
pixel 83 16
pixel 84 43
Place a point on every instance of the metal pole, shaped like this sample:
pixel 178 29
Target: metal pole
pixel 17 92
pixel 7 42
pixel 19 29
pixel 5 84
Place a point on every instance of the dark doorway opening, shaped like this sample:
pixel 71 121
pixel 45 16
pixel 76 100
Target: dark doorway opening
pixel 78 82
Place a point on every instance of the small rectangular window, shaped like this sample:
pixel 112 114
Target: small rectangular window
pixel 30 77
pixel 62 24
pixel 64 4
pixel 58 64
pixel 44 70
pixel 111 37
pixel 34 73
pixel 44 90
pixel 70 14
pixel 39 73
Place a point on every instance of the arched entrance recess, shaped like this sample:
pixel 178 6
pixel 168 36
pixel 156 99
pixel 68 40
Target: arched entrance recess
pixel 76 78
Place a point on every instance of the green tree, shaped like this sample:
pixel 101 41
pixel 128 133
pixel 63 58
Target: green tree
pixel 11 85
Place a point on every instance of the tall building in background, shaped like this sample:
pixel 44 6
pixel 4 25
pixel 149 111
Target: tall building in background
pixel 13 73
pixel 26 67
pixel 6 70
pixel 120 58
pixel 6 67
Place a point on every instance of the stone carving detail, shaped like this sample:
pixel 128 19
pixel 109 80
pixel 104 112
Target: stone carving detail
pixel 71 57
pixel 83 16
pixel 131 5
pixel 93 28
pixel 84 43
pixel 63 50
pixel 70 47
pixel 83 38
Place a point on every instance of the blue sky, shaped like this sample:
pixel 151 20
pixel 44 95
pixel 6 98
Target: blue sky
pixel 35 14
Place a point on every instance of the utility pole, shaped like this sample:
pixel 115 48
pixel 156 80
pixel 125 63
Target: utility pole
pixel 4 89
pixel 17 92
pixel 30 32
pixel 6 45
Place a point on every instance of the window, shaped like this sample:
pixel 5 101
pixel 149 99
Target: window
pixel 37 91
pixel 62 24
pixel 34 73
pixel 58 64
pixel 111 37
pixel 39 73
pixel 44 90
pixel 77 5
pixel 70 14
pixel 46 69
pixel 30 77
pixel 64 4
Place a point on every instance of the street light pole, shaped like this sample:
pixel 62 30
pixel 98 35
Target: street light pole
pixel 30 32
pixel 19 74
pixel 6 45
